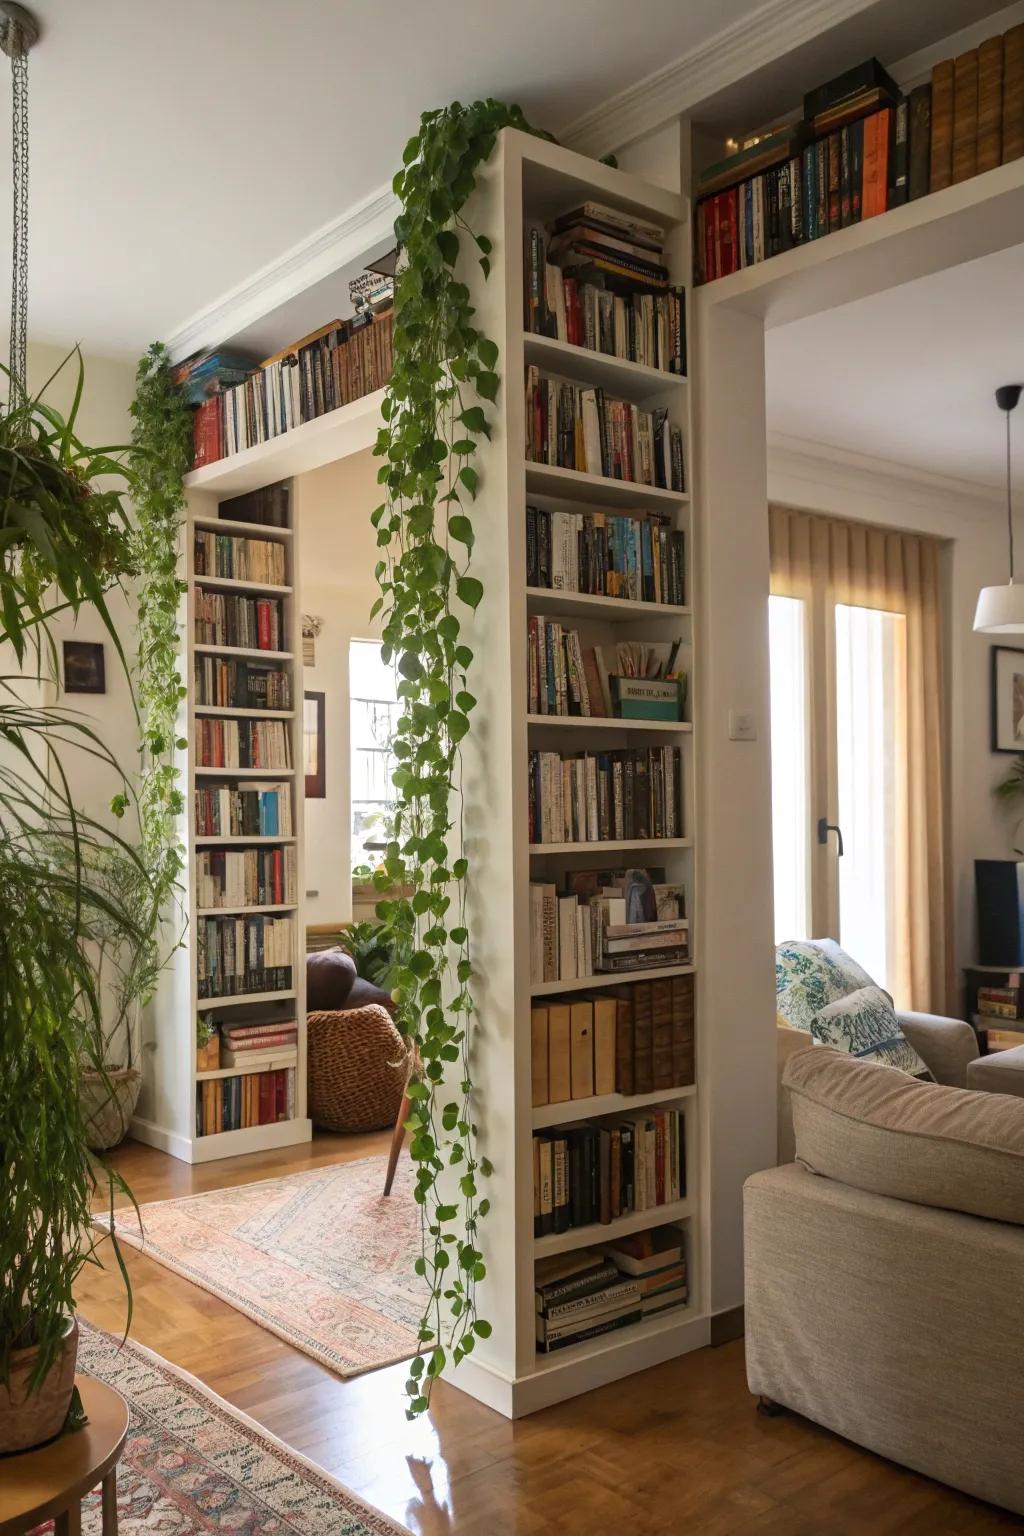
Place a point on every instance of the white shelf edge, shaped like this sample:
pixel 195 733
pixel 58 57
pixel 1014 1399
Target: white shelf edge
pixel 244 773
pixel 239 999
pixel 617 492
pixel 232 712
pixel 648 1327
pixel 608 979
pixel 252 652
pixel 253 1070
pixel 625 608
pixel 236 584
pixel 209 841
pixel 545 1115
pixel 289 906
pixel 614 845
pixel 251 1138
pixel 591 365
pixel 610 723
pixel 606 1232
pixel 211 523
pixel 334 435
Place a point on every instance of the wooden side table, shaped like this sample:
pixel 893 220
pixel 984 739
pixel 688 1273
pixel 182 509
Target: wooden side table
pixel 50 1483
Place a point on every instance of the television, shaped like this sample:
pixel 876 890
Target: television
pixel 999 884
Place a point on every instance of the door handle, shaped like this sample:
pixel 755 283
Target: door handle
pixel 824 828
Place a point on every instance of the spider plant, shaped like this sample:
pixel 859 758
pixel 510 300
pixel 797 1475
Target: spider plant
pixel 65 541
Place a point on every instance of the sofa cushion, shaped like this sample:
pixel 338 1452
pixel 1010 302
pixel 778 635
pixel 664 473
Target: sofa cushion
pixel 365 992
pixel 864 1023
pixel 809 975
pixel 879 1129
pixel 330 977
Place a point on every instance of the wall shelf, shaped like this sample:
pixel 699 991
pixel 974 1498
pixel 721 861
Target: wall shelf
pixel 605 723
pixel 599 490
pixel 607 1232
pixel 250 653
pixel 607 979
pixel 615 845
pixel 621 378
pixel 614 610
pixel 571 1110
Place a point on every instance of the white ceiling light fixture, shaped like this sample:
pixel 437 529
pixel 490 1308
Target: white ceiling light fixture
pixel 1000 610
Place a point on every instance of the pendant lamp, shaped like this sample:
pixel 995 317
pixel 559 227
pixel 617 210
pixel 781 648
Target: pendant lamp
pixel 1000 610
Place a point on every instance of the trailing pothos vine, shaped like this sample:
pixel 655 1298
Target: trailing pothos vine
pixel 435 414
pixel 161 456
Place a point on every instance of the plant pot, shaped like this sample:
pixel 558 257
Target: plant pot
pixel 108 1103
pixel 30 1418
pixel 208 1055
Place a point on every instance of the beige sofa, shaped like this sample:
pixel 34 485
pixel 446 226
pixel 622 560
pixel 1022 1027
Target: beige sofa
pixel 884 1269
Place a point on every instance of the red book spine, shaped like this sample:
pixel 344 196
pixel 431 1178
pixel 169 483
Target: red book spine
pixel 206 433
pixel 263 625
pixel 266 1111
pixel 281 1093
pixel 877 136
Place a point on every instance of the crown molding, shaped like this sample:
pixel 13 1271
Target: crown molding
pixel 334 245
pixel 802 472
pixel 749 44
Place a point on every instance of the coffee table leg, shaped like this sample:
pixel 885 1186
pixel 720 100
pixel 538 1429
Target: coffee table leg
pixel 69 1521
pixel 110 1503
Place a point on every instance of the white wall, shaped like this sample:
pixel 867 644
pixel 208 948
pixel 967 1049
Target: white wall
pixel 337 555
pixel 822 479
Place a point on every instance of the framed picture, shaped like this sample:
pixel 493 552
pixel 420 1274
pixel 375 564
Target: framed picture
pixel 1007 699
pixel 84 671
pixel 314 757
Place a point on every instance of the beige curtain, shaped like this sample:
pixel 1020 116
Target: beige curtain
pixel 826 561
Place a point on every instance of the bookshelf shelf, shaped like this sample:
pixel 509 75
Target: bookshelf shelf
pixel 616 845
pixel 237 842
pixel 605 723
pixel 606 1232
pixel 215 524
pixel 254 1138
pixel 204 770
pixel 630 381
pixel 608 979
pixel 242 651
pixel 571 1110
pixel 623 610
pixel 232 911
pixel 663 1325
pixel 222 710
pixel 246 1071
pixel 599 490
pixel 239 999
pixel 232 584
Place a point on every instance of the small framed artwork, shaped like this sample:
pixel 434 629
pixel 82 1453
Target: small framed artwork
pixel 314 755
pixel 84 671
pixel 1007 699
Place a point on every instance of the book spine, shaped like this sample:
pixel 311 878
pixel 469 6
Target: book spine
pixel 941 158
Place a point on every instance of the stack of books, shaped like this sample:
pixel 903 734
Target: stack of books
pixel 235 1103
pixel 576 427
pixel 267 506
pixel 257 1045
pixel 240 684
pixel 248 623
pixel 629 555
pixel 629 924
pixel 223 554
pixel 249 877
pixel 861 148
pixel 633 680
pixel 594 1291
pixel 593 1173
pixel 341 362
pixel 242 744
pixel 1001 1012
pixel 209 373
pixel 595 797
pixel 597 279
pixel 240 955
pixel 636 1039
pixel 243 810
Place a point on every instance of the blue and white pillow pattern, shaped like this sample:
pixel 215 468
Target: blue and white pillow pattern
pixel 865 1024
pixel 811 974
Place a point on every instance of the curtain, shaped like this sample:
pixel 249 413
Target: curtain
pixel 828 561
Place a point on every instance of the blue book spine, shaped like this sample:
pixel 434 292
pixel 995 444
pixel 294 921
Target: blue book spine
pixel 647 587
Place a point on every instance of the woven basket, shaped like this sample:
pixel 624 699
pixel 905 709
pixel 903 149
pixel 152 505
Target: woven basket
pixel 358 1065
pixel 108 1104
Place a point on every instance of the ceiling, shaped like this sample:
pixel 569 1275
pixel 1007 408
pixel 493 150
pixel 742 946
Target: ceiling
pixel 909 375
pixel 177 148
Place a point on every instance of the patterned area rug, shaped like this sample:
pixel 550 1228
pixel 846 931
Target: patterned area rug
pixel 192 1464
pixel 320 1258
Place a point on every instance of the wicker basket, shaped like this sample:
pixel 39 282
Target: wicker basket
pixel 357 1065
pixel 108 1103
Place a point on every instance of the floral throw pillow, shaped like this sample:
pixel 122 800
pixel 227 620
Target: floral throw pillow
pixel 865 1025
pixel 809 975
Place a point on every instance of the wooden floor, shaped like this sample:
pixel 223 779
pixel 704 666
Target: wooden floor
pixel 676 1449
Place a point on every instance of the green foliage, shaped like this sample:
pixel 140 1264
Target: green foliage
pixel 162 454
pixel 445 375
pixel 64 542
pixel 1011 788
pixel 372 949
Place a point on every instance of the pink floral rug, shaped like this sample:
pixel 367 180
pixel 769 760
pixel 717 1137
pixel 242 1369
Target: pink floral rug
pixel 320 1258
pixel 192 1463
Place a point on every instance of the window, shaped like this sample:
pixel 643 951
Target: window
pixel 787 628
pixel 373 716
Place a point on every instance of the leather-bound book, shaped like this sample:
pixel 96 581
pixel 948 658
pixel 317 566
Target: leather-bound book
pixel 965 116
pixel 990 103
pixel 941 164
pixel 1013 93
pixel 920 142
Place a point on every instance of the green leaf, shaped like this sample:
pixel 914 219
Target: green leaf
pixel 460 527
pixel 487 350
pixel 448 245
pixel 470 479
pixel 469 591
pixel 487 385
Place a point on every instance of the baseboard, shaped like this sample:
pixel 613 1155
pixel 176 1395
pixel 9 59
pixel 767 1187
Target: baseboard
pixel 159 1136
pixel 726 1326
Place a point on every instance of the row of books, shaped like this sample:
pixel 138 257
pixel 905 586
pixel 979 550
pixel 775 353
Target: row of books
pixel 241 559
pixel 247 623
pixel 332 367
pixel 235 1103
pixel 635 679
pixel 637 1039
pixel 243 744
pixel 625 313
pixel 595 797
pixel 268 506
pixel 239 955
pixel 593 1291
pixel 248 1045
pixel 630 555
pixel 233 684
pixel 243 810
pixel 628 925
pixel 246 877
pixel 578 427
pixel 593 1173
pixel 1005 1002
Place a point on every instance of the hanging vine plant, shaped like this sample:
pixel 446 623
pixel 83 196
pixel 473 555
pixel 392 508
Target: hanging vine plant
pixel 435 413
pixel 162 454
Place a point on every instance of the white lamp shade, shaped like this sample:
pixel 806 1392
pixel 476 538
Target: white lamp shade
pixel 1000 610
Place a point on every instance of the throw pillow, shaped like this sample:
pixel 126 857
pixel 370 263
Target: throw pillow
pixel 865 1025
pixel 330 976
pixel 809 975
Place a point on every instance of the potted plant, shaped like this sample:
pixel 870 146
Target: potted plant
pixel 64 542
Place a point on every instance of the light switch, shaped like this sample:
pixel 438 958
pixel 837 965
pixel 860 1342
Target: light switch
pixel 742 726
